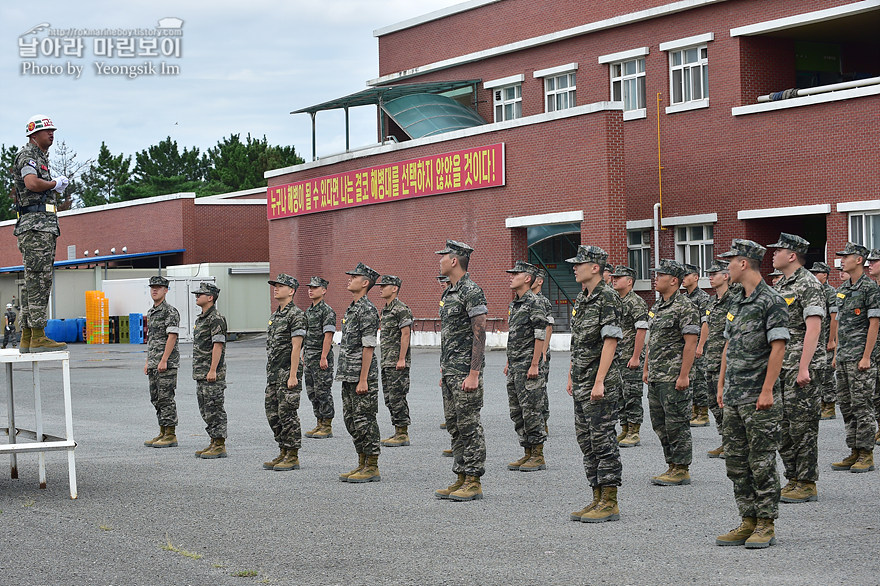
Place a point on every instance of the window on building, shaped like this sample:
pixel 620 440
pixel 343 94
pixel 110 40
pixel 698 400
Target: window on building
pixel 560 91
pixel 864 229
pixel 695 245
pixel 508 102
pixel 689 74
pixel 639 253
pixel 628 83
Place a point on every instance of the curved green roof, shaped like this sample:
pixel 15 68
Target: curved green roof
pixel 429 114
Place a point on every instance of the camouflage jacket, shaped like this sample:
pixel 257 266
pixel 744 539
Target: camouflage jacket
pixel 857 303
pixel 286 323
pixel 31 160
pixel 668 322
pixel 459 304
pixel 803 295
pixel 359 327
pixel 210 328
pixel 699 298
pixel 753 322
pixel 162 319
pixel 594 318
pixel 526 322
pixel 716 318
pixel 634 317
pixel 548 309
pixel 830 313
pixel 321 319
pixel 395 316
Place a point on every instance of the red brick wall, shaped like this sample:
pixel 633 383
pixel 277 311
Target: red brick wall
pixel 226 233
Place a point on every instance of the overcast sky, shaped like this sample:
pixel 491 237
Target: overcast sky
pixel 243 67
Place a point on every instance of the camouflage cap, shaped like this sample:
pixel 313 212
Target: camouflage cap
pixel 389 280
pixel 717 266
pixel 207 289
pixel 690 269
pixel 285 279
pixel 670 267
pixel 820 267
pixel 318 282
pixel 456 248
pixel 873 255
pixel 775 273
pixel 744 248
pixel 592 254
pixel 157 281
pixel 624 271
pixel 791 242
pixel 853 248
pixel 522 266
pixel 442 279
pixel 541 275
pixel 362 270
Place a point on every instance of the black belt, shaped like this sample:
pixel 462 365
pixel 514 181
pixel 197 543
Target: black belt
pixel 40 207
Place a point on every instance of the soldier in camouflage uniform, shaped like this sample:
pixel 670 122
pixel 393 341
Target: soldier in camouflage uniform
pixel 634 322
pixel 874 271
pixel 713 344
pixel 756 333
pixel 358 370
pixel 163 360
pixel 209 368
pixel 858 319
pixel 673 327
pixel 284 373
pixel 699 384
pixel 396 325
pixel 527 328
pixel 318 358
pixel 462 358
pixel 594 382
pixel 37 229
pixel 828 340
pixel 797 387
pixel 545 360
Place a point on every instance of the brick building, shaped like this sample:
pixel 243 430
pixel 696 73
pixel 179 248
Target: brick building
pixel 588 113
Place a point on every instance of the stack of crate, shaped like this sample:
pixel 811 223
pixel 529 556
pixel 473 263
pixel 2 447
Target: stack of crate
pixel 97 318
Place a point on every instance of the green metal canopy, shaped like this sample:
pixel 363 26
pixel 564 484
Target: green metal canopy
pixel 421 115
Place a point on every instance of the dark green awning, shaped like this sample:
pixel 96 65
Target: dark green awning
pixel 381 94
pixel 421 115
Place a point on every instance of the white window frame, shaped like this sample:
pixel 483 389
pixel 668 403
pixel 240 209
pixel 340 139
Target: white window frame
pixel 689 93
pixel 627 81
pixel 705 246
pixel 500 100
pixel 864 228
pixel 642 249
pixel 553 74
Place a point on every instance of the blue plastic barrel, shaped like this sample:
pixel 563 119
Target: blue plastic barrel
pixel 55 330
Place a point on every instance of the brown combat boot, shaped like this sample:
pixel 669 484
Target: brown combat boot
pixel 24 345
pixel 370 471
pixel 632 438
pixel 168 439
pixel 527 453
pixel 400 437
pixel 877 435
pixel 203 450
pixel 535 461
pixel 443 493
pixel 40 343
pixel 739 535
pixel 324 430
pixel 150 442
pixel 597 496
pixel 717 452
pixel 217 451
pixel 314 430
pixel 606 509
pixel 792 484
pixel 447 453
pixel 847 462
pixel 624 429
pixel 865 462
pixel 701 418
pixel 803 492
pixel 290 461
pixel 270 465
pixel 828 411
pixel 362 461
pixel 677 476
pixel 471 490
pixel 763 536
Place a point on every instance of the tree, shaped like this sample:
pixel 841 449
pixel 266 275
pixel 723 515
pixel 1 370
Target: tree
pixel 65 163
pixel 7 182
pixel 162 169
pixel 103 180
pixel 237 165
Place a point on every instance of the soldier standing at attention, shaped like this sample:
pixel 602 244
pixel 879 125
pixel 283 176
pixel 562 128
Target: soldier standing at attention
pixel 537 284
pixel 163 360
pixel 9 326
pixel 673 327
pixel 284 339
pixel 359 372
pixel 828 340
pixel 756 333
pixel 527 328
pixel 462 358
pixel 396 325
pixel 318 358
pixel 37 229
pixel 209 368
pixel 874 272
pixel 634 322
pixel 594 382
pixel 858 320
pixel 798 387
pixel 713 346
pixel 699 386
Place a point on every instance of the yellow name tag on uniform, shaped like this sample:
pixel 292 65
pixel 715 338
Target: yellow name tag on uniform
pixel 343 320
pixel 508 312
pixel 50 208
pixel 650 314
pixel 441 304
pixel 573 311
pixel 789 300
pixel 708 312
pixel 841 295
pixel 270 322
pixel 729 316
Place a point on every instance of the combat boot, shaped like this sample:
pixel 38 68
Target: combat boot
pixel 270 465
pixel 400 437
pixel 168 439
pixel 865 462
pixel 324 430
pixel 847 462
pixel 314 430
pixel 527 453
pixel 370 471
pixel 678 475
pixel 446 453
pixel 290 461
pixel 624 429
pixel 877 435
pixel 597 496
pixel 25 344
pixel 471 490
pixel 150 442
pixel 803 492
pixel 763 536
pixel 217 451
pixel 739 535
pixel 791 485
pixel 443 493
pixel 828 411
pixel 717 452
pixel 632 438
pixel 203 450
pixel 536 460
pixel 443 425
pixel 40 343
pixel 701 419
pixel 694 414
pixel 362 461
pixel 606 509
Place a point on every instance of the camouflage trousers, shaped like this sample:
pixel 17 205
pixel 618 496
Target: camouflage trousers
pixel 545 376
pixel 525 397
pixel 162 388
pixel 631 409
pixel 799 427
pixel 827 384
pixel 462 411
pixel 751 439
pixel 877 397
pixel 699 383
pixel 395 388
pixel 718 412
pixel 211 397
pixel 38 253
pixel 670 417
pixel 319 384
pixel 596 435
pixel 359 413
pixel 282 405
pixel 855 397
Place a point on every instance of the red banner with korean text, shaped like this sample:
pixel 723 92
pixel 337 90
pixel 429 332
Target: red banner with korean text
pixel 464 170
